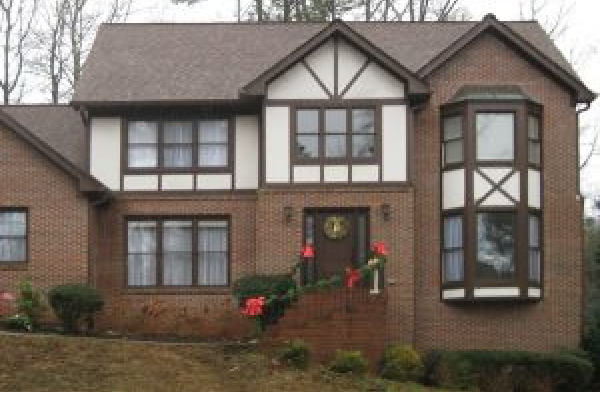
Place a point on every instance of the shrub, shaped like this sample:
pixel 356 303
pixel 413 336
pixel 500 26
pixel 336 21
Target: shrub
pixel 401 363
pixel 349 362
pixel 263 285
pixel 509 371
pixel 297 354
pixel 18 322
pixel 75 304
pixel 591 344
pixel 29 302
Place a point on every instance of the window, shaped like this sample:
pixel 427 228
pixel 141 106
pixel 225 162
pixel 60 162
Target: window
pixel 177 252
pixel 534 150
pixel 177 145
pixel 495 136
pixel 534 248
pixel 13 236
pixel 453 251
pixel 335 134
pixel 143 144
pixel 453 139
pixel 495 245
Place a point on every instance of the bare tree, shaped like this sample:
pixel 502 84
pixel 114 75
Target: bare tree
pixel 16 18
pixel 554 17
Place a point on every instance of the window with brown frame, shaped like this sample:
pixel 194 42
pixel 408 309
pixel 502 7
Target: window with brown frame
pixel 175 144
pixel 335 134
pixel 488 244
pixel 13 235
pixel 534 146
pixel 453 139
pixel 177 251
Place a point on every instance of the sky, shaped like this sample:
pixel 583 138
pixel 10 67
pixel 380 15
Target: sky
pixel 580 43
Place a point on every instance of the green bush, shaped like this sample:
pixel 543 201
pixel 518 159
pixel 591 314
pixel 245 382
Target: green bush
pixel 75 304
pixel 401 363
pixel 18 322
pixel 29 303
pixel 352 362
pixel 508 371
pixel 296 354
pixel 591 344
pixel 263 285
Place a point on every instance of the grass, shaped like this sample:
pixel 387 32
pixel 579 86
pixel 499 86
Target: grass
pixel 56 363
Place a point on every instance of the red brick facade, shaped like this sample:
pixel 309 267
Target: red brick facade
pixel 263 241
pixel 58 217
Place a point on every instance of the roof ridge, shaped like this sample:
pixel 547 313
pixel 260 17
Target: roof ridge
pixel 276 23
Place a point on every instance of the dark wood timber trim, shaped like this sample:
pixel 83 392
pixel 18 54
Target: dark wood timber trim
pixel 360 71
pixel 316 78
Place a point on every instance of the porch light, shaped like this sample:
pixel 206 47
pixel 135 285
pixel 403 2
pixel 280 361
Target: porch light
pixel 386 211
pixel 288 214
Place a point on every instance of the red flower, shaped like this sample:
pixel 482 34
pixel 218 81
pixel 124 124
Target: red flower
pixel 352 277
pixel 380 248
pixel 308 251
pixel 254 306
pixel 7 296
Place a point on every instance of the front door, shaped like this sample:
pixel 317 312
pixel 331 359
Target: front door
pixel 340 237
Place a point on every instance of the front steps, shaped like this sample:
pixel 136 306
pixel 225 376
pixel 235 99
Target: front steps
pixel 331 319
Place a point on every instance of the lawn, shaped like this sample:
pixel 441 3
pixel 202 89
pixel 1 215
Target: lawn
pixel 57 363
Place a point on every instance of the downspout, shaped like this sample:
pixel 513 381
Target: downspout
pixel 579 111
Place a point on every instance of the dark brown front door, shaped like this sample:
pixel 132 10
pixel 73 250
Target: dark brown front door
pixel 340 237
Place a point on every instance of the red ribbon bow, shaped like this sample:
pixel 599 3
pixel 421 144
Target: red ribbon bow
pixel 380 248
pixel 308 251
pixel 254 306
pixel 352 277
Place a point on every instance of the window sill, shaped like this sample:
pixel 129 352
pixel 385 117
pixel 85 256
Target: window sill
pixel 486 294
pixel 18 266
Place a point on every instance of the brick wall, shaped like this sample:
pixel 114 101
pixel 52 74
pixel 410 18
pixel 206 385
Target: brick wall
pixel 554 322
pixel 281 242
pixel 199 312
pixel 57 214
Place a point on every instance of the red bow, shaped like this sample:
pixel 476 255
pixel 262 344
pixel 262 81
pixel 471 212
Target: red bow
pixel 254 306
pixel 7 296
pixel 308 251
pixel 380 248
pixel 352 277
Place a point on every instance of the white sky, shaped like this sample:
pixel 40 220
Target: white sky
pixel 580 43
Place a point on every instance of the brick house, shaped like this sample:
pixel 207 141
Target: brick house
pixel 195 154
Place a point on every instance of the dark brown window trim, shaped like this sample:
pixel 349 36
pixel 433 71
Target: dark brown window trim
pixel 321 107
pixel 195 287
pixel 195 168
pixel 18 265
pixel 522 109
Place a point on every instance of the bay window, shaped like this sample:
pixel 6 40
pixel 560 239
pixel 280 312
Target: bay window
pixel 174 145
pixel 177 252
pixel 492 219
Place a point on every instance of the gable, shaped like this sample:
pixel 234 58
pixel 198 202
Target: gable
pixel 336 69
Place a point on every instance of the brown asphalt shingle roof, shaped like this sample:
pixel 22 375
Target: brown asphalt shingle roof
pixel 59 126
pixel 190 62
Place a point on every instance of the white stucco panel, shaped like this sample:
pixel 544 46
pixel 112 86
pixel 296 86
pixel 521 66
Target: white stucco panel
pixel 457 293
pixel 497 292
pixel 375 82
pixel 322 63
pixel 497 198
pixel 296 83
pixel 534 292
pixel 480 186
pixel 365 173
pixel 177 182
pixel 495 174
pixel 453 189
pixel 394 143
pixel 213 182
pixel 246 152
pixel 307 173
pixel 512 186
pixel 534 188
pixel 335 173
pixel 350 60
pixel 277 144
pixel 140 183
pixel 105 151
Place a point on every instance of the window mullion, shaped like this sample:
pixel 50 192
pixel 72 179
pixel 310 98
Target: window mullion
pixel 159 252
pixel 195 257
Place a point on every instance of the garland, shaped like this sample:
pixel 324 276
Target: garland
pixel 268 309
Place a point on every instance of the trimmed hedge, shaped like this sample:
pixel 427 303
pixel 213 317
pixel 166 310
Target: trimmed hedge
pixel 263 285
pixel 508 371
pixel 75 304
